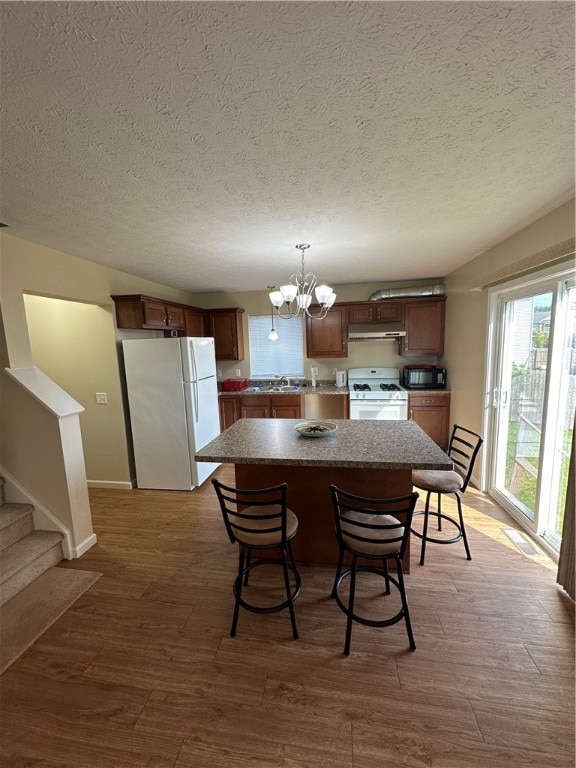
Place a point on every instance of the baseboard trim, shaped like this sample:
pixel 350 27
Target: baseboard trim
pixel 114 484
pixel 85 545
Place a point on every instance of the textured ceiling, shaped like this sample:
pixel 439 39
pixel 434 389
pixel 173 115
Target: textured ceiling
pixel 195 144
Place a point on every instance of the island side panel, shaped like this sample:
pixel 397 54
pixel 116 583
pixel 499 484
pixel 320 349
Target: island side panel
pixel 309 497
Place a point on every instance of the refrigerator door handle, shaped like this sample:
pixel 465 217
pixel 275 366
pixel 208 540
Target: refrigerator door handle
pixel 193 361
pixel 196 401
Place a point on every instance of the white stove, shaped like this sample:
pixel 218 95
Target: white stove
pixel 376 394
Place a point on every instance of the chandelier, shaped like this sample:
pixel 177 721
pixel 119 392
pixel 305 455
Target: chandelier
pixel 297 295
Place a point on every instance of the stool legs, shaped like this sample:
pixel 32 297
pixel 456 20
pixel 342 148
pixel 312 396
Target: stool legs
pixel 289 594
pixel 238 590
pixel 438 513
pixel 425 529
pixel 245 565
pixel 462 527
pixel 351 604
pixel 402 589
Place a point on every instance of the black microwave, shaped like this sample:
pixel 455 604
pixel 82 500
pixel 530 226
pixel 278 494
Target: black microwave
pixel 424 377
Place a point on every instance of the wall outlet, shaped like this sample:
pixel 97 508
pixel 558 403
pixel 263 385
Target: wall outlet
pixel 334 371
pixel 238 373
pixel 101 398
pixel 219 373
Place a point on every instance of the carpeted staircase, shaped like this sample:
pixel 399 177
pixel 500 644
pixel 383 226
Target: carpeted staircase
pixel 33 592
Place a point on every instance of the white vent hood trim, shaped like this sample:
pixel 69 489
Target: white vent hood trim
pixel 375 332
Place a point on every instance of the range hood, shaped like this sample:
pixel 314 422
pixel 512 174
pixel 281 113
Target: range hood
pixel 376 332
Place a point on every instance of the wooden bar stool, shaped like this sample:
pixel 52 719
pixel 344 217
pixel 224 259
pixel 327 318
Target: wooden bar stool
pixel 259 520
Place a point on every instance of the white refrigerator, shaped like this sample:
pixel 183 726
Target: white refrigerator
pixel 173 401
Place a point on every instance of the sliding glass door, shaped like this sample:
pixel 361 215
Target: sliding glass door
pixel 533 396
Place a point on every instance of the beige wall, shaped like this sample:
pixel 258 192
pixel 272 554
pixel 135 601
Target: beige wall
pixel 74 344
pixel 467 308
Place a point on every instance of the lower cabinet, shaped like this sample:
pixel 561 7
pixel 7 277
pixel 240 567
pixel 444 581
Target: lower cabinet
pixel 431 411
pixel 234 407
pixel 229 411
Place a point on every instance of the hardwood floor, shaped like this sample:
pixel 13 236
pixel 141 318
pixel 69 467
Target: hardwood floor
pixel 142 671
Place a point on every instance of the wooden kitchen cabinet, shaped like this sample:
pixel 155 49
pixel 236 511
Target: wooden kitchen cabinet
pixel 272 407
pixel 424 321
pixel 328 337
pixel 146 312
pixel 388 311
pixel 225 325
pixel 229 411
pixel 431 411
pixel 194 324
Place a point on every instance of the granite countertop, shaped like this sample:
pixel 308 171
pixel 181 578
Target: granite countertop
pixel 415 391
pixel 359 443
pixel 321 389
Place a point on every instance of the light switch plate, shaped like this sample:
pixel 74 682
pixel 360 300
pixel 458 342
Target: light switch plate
pixel 101 398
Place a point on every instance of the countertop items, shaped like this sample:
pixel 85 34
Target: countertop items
pixel 358 444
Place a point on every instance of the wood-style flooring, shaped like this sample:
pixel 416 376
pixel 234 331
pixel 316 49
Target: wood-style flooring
pixel 142 672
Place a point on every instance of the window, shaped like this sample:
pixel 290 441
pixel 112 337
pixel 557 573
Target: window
pixel 284 356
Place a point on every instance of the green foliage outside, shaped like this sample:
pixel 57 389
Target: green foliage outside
pixel 526 490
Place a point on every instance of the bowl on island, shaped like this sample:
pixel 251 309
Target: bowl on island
pixel 316 428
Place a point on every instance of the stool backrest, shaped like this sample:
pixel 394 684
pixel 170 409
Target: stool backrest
pixel 463 449
pixel 369 520
pixel 268 509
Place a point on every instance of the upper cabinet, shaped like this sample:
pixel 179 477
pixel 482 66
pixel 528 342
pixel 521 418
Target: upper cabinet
pixel 424 322
pixel 389 311
pixel 423 319
pixel 194 322
pixel 147 312
pixel 226 327
pixel 328 337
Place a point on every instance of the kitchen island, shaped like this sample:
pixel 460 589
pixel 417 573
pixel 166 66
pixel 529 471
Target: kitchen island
pixel 369 458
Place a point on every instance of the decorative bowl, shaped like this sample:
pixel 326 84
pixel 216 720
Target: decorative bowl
pixel 316 428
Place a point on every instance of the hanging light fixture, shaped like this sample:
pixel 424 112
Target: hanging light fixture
pixel 297 295
pixel 272 336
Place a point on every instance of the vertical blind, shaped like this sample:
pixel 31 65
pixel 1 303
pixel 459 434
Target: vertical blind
pixel 284 356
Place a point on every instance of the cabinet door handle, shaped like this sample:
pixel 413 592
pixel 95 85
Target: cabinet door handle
pixel 411 413
pixel 273 413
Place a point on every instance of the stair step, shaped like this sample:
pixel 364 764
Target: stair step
pixel 26 559
pixel 29 613
pixel 15 523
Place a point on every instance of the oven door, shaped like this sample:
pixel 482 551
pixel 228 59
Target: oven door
pixel 379 410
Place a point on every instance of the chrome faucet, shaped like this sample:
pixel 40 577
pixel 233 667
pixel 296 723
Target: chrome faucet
pixel 287 379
